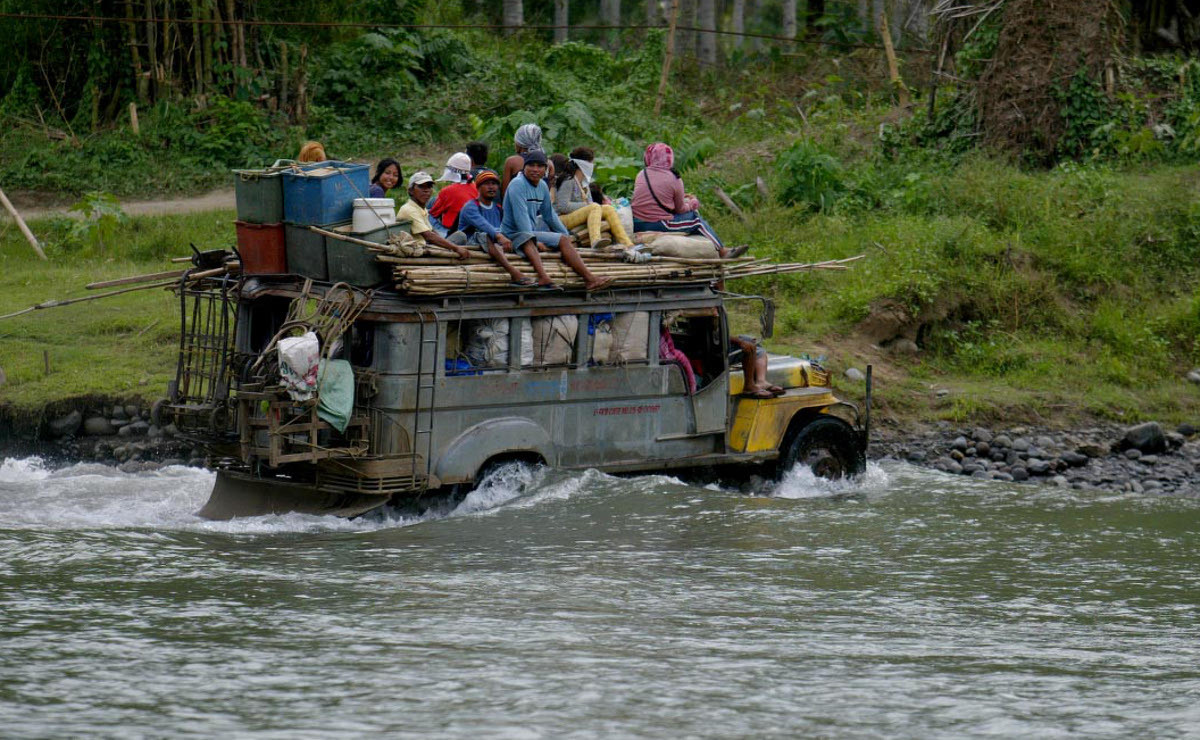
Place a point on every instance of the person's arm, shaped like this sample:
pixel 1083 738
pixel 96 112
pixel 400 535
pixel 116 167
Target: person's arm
pixel 562 199
pixel 436 239
pixel 512 166
pixel 677 193
pixel 471 217
pixel 550 217
pixel 517 208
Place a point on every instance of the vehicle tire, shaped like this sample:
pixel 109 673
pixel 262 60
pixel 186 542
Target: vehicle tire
pixel 828 446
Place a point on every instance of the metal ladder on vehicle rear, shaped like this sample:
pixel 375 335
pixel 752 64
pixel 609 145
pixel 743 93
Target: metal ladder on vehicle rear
pixel 423 413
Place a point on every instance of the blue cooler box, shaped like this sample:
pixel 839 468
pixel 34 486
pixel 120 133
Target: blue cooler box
pixel 323 192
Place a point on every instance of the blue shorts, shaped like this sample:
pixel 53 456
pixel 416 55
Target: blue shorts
pixel 545 238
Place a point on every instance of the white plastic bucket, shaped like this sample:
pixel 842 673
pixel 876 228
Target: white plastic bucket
pixel 371 213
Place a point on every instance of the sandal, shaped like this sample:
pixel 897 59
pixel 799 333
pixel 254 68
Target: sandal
pixel 604 283
pixel 548 287
pixel 761 395
pixel 737 251
pixel 776 390
pixel 525 282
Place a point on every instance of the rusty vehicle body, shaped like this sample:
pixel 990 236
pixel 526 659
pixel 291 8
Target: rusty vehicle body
pixel 420 426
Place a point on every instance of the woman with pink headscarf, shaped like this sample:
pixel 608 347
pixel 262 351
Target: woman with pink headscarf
pixel 660 203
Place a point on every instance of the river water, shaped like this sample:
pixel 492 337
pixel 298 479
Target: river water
pixel 909 604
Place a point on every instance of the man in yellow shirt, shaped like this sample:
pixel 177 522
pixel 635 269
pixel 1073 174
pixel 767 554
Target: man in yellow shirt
pixel 420 190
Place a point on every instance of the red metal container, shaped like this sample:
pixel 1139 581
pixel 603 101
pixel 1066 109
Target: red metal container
pixel 262 248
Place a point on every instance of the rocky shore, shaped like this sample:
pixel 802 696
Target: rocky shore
pixel 130 436
pixel 1145 458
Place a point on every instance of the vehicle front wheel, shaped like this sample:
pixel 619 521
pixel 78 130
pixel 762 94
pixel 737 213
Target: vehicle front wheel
pixel 828 446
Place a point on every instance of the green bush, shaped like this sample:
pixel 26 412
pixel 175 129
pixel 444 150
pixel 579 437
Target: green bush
pixel 811 177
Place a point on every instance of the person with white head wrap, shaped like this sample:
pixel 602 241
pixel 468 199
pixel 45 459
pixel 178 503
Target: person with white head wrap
pixel 573 202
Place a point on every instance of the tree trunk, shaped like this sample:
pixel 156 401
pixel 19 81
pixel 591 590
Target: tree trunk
pixel 139 80
pixel 513 16
pixel 815 11
pixel 864 15
pixel 685 41
pixel 738 21
pixel 789 18
pixel 151 47
pixel 610 15
pixel 562 19
pixel 653 13
pixel 706 18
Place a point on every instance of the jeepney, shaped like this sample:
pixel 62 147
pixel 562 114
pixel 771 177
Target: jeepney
pixel 569 380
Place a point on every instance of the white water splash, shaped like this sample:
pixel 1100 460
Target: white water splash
pixel 801 483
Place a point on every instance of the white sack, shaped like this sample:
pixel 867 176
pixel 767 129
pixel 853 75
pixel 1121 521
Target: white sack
pixel 298 361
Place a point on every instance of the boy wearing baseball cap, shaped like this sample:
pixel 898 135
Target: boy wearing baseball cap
pixel 420 187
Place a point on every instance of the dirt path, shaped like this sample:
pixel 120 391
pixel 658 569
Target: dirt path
pixel 216 200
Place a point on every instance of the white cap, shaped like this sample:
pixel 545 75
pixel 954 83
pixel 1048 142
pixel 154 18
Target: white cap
pixel 419 177
pixel 458 168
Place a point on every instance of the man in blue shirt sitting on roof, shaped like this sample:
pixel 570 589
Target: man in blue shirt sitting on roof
pixel 479 224
pixel 528 197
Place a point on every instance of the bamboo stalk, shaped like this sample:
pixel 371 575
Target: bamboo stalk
pixel 69 301
pixel 8 206
pixel 134 279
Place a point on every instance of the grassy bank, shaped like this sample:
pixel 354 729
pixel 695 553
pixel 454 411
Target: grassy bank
pixel 123 345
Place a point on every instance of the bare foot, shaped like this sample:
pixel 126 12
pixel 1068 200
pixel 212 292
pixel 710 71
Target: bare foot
pixel 598 284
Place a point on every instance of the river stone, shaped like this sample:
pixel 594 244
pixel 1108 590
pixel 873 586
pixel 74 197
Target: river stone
pixel 132 411
pixel 1175 440
pixel 66 425
pixel 999 455
pixel 983 449
pixel 139 427
pixel 971 468
pixel 1021 444
pixel 98 426
pixel 1007 477
pixel 960 444
pixel 947 465
pixel 982 475
pixel 1060 481
pixel 1044 442
pixel 126 431
pixel 1133 453
pixel 956 456
pixel 904 347
pixel 1146 437
pixel 1002 440
pixel 171 430
pixel 1186 429
pixel 853 373
pixel 1194 376
pixel 1038 467
pixel 118 412
pixel 172 461
pixel 1148 459
pixel 979 434
pixel 916 456
pixel 1019 473
pixel 1075 459
pixel 1091 449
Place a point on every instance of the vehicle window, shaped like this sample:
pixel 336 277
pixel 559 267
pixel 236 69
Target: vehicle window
pixel 698 335
pixel 600 327
pixel 630 337
pixel 361 344
pixel 553 340
pixel 266 317
pixel 474 346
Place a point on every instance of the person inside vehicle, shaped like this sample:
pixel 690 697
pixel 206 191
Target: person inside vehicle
pixel 660 203
pixel 754 367
pixel 451 198
pixel 478 152
pixel 527 198
pixel 312 151
pixel 387 176
pixel 668 352
pixel 527 138
pixel 479 223
pixel 420 188
pixel 574 205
